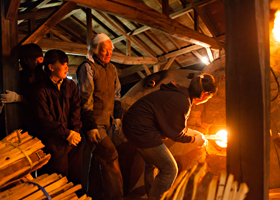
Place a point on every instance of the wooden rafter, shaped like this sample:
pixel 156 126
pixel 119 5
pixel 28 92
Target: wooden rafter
pixel 141 13
pixel 124 34
pixel 174 15
pixel 37 6
pixel 206 22
pixel 168 64
pixel 13 9
pixel 40 31
pixel 146 68
pixel 36 14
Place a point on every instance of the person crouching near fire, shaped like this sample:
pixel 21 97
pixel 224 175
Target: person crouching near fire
pixel 164 113
pixel 56 104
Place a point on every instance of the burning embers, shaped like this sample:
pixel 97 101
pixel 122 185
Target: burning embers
pixel 276 29
pixel 220 138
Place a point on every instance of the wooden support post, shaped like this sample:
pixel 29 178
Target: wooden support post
pixel 165 7
pixel 196 21
pixel 248 94
pixel 128 47
pixel 31 25
pixel 89 25
pixel 13 10
pixel 9 71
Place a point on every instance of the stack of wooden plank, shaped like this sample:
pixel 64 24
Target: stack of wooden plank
pixel 196 184
pixel 20 154
pixel 55 185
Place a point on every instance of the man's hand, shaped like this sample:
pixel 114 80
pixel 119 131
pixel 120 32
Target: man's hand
pixel 74 138
pixel 10 97
pixel 118 125
pixel 93 135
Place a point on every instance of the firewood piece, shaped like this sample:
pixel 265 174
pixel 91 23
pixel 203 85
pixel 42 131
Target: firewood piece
pixel 170 192
pixel 24 170
pixel 26 188
pixel 60 190
pixel 24 137
pixel 243 190
pixel 221 185
pixel 193 180
pixel 72 196
pixel 58 184
pixel 212 188
pixel 180 191
pixel 202 188
pixel 228 187
pixel 84 197
pixel 66 193
pixel 16 154
pixel 233 190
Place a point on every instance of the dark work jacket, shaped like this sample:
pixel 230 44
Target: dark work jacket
pixel 99 88
pixel 162 113
pixel 56 111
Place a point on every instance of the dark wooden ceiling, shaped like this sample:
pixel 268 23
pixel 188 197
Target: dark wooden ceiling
pixel 140 48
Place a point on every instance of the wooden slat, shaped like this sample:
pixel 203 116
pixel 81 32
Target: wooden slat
pixel 210 55
pixel 141 13
pixel 40 31
pixel 13 10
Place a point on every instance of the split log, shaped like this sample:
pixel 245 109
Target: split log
pixel 20 154
pixel 55 185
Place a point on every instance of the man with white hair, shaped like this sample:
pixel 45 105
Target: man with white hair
pixel 99 88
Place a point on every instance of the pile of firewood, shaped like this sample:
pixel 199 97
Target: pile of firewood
pixel 56 186
pixel 20 154
pixel 196 184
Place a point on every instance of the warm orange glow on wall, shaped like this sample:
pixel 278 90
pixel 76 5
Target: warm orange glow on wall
pixel 276 29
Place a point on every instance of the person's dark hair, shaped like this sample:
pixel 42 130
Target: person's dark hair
pixel 52 56
pixel 202 83
pixel 29 51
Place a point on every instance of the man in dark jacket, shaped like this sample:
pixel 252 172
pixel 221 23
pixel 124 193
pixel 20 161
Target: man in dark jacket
pixel 164 113
pixel 57 110
pixel 99 87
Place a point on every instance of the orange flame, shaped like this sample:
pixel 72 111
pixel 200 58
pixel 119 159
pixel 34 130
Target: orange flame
pixel 223 135
pixel 276 29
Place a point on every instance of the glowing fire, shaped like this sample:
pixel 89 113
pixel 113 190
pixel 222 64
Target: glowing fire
pixel 223 135
pixel 276 29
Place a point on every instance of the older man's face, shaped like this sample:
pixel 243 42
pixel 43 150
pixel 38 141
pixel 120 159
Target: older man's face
pixel 104 51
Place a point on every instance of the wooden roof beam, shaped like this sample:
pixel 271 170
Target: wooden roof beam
pixel 145 28
pixel 12 11
pixel 40 31
pixel 143 14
